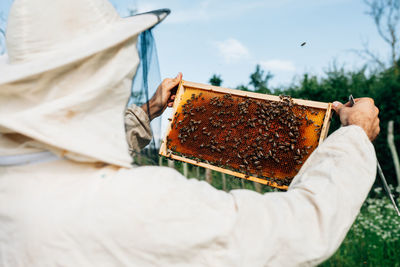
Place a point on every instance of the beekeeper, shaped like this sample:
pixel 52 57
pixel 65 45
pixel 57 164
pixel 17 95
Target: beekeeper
pixel 69 195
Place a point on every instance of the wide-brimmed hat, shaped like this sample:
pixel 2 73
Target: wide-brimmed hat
pixel 42 34
pixel 66 79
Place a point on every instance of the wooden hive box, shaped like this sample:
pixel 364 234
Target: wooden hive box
pixel 258 137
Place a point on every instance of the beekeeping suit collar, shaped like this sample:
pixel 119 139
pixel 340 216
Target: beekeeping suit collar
pixel 66 79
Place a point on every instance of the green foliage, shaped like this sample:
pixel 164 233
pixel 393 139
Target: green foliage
pixel 216 80
pixel 258 81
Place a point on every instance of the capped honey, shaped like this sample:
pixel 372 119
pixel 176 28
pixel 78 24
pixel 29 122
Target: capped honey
pixel 254 136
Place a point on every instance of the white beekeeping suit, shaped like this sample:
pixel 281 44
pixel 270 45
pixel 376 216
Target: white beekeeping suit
pixel 70 197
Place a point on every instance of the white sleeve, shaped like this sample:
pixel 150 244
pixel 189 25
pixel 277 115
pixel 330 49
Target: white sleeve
pixel 137 128
pixel 306 224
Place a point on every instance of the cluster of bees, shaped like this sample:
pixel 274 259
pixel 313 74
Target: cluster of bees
pixel 253 136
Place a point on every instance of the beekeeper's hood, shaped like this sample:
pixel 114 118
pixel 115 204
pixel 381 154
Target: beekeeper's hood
pixel 66 79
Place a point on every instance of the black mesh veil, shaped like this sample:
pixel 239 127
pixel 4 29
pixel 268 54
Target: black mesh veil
pixel 144 85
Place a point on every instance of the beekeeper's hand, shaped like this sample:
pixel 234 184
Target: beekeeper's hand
pixel 164 97
pixel 363 113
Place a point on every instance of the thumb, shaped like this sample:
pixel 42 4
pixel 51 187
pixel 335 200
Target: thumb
pixel 337 106
pixel 178 78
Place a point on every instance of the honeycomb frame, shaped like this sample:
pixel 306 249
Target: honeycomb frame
pixel 315 120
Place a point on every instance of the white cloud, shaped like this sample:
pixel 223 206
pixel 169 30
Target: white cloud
pixel 278 65
pixel 232 50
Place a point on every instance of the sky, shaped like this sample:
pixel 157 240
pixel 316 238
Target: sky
pixel 229 37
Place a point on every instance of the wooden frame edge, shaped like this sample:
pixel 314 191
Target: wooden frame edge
pixel 226 171
pixel 179 93
pixel 313 104
pixel 325 126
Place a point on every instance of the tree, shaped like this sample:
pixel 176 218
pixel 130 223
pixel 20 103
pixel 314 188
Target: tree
pixel 216 80
pixel 259 81
pixel 386 15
